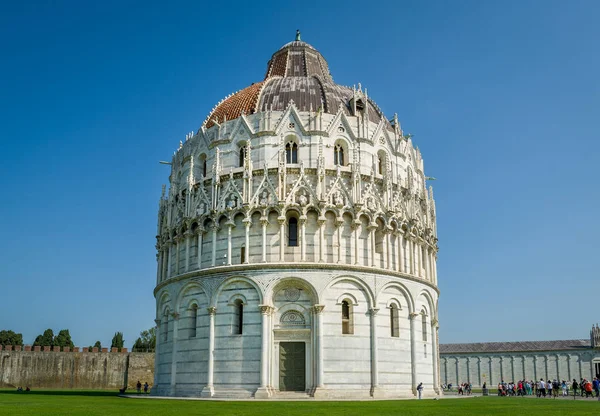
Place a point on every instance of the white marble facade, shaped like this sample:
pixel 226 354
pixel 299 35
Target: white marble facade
pixel 268 236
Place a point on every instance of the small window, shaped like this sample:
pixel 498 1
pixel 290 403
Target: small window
pixel 291 152
pixel 347 327
pixel 293 232
pixel 242 255
pixel 242 156
pixel 338 155
pixel 380 164
pixel 425 350
pixel 193 320
pixel 238 317
pixel 394 321
pixel 165 323
pixel 203 164
pixel 424 325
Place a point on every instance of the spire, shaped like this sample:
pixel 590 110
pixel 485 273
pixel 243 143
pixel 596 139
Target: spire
pixel 298 35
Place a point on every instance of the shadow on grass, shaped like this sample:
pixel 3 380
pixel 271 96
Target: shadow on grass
pixel 89 393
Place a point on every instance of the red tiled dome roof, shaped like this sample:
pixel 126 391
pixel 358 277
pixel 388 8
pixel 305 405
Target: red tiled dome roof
pixel 298 72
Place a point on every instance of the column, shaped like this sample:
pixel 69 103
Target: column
pixel 303 237
pixel 374 369
pixel 264 221
pixel 199 254
pixel 230 226
pixel 159 257
pixel 410 257
pixel 177 240
pixel 338 225
pixel 385 251
pixel 263 392
pixel 169 259
pixel 434 268
pixel 187 250
pixel 372 227
pixel 156 360
pixel 318 315
pixel 356 229
pixel 165 259
pixel 434 354
pixel 413 352
pixel 174 353
pixel 427 271
pixel 281 221
pixel 213 261
pixel 248 223
pixel 321 222
pixel 209 390
pixel 400 252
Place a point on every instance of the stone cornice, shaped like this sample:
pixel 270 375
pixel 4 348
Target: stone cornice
pixel 241 268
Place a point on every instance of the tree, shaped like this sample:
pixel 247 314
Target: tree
pixel 117 341
pixel 98 345
pixel 146 341
pixel 45 340
pixel 63 339
pixel 10 338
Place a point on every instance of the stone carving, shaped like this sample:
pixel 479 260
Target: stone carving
pixel 292 318
pixel 292 294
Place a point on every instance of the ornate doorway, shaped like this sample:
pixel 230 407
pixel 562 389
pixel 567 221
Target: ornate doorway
pixel 292 366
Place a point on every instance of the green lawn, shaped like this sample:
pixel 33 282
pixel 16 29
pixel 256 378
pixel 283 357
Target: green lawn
pixel 49 402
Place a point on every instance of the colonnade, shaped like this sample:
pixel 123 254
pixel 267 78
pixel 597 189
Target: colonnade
pixel 405 253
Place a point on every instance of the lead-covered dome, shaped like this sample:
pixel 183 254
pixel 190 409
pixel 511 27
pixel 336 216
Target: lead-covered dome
pixel 298 72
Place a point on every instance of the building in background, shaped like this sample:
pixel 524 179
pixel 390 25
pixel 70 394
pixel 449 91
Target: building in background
pixel 297 246
pixel 493 362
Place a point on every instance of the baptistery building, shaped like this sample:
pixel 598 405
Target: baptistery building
pixel 297 246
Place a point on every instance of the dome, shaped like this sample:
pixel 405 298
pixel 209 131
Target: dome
pixel 298 72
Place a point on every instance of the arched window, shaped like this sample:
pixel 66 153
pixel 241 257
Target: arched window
pixel 380 164
pixel 347 324
pixel 394 321
pixel 338 155
pixel 203 164
pixel 242 156
pixel 291 152
pixel 242 254
pixel 293 232
pixel 193 320
pixel 424 325
pixel 238 317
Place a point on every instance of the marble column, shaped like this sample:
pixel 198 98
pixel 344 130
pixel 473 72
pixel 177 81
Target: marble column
pixel 413 351
pixel 374 358
pixel 177 241
pixel 411 256
pixel 159 257
pixel 318 315
pixel 384 246
pixel 230 226
pixel 169 259
pixel 199 250
pixel 302 221
pixel 356 230
pixel 247 222
pixel 372 227
pixel 263 391
pixel 281 221
pixel 427 268
pixel 209 390
pixel 174 353
pixel 165 260
pixel 264 222
pixel 338 226
pixel 435 356
pixel 213 261
pixel 187 250
pixel 321 222
pixel 400 240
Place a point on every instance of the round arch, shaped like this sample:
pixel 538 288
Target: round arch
pixel 233 279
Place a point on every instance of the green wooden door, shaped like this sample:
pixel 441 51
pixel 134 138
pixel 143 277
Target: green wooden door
pixel 292 366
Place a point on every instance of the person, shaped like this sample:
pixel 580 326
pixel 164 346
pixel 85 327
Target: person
pixel 549 388
pixel 146 387
pixel 541 388
pixel 588 390
pixel 27 388
pixel 19 388
pixel 596 386
pixel 138 387
pixel 575 386
pixel 420 390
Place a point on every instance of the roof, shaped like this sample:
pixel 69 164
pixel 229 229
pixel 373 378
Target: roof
pixel 516 346
pixel 298 72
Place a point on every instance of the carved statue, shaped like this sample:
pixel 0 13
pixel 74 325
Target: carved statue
pixel 302 199
pixel 264 198
pixel 201 209
pixel 338 200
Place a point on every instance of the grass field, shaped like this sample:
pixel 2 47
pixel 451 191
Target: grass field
pixel 50 402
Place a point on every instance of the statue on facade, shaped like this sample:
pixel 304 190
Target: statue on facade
pixel 264 198
pixel 302 199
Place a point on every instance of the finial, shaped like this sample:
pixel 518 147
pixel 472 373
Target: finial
pixel 298 35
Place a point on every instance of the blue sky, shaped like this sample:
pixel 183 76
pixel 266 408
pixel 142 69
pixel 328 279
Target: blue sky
pixel 503 99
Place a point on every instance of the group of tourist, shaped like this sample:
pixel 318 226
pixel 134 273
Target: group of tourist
pixel 550 388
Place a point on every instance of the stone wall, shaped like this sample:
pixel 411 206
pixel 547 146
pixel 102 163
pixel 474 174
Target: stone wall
pixel 74 370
